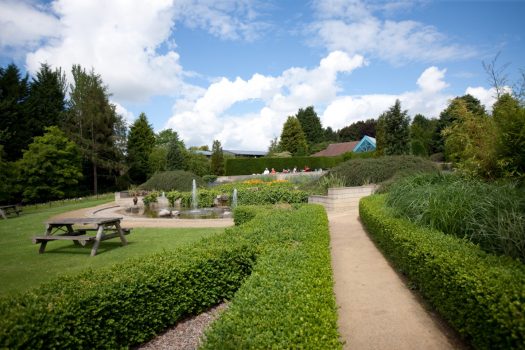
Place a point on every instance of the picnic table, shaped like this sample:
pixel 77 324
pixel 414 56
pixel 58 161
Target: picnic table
pixel 8 209
pixel 74 229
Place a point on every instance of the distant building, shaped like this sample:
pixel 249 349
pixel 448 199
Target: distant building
pixel 366 144
pixel 235 153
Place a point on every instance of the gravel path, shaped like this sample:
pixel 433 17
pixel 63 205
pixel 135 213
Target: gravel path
pixel 187 334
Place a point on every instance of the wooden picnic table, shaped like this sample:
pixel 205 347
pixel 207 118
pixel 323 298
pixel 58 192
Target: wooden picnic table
pixel 8 209
pixel 68 229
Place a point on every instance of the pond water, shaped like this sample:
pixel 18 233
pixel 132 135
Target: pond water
pixel 202 213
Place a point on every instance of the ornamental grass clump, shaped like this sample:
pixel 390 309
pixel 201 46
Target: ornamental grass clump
pixel 489 214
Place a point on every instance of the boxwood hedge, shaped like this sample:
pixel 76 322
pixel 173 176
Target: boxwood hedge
pixel 481 295
pixel 284 250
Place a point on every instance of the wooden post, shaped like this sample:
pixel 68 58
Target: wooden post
pixel 121 233
pixel 100 232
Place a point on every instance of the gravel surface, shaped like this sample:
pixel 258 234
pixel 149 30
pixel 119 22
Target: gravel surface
pixel 185 335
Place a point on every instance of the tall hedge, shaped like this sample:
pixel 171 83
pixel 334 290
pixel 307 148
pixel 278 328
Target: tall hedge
pixel 248 166
pixel 481 295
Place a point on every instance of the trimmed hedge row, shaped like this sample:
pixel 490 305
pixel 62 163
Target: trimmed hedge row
pixel 481 295
pixel 288 299
pixel 131 302
pixel 248 166
pixel 128 303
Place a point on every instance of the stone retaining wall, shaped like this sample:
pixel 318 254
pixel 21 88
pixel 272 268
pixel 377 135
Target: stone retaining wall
pixel 343 198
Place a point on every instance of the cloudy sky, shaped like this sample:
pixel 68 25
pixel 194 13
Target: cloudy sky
pixel 233 70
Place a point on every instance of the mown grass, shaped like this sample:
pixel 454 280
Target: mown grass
pixel 21 267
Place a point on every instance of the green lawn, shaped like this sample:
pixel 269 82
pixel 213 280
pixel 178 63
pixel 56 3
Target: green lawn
pixel 21 267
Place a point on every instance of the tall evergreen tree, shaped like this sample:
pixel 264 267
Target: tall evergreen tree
pixel 311 125
pixel 395 136
pixel 46 100
pixel 175 158
pixel 421 132
pixel 141 141
pixel 356 131
pixel 14 90
pixel 91 123
pixel 292 137
pixel 217 158
pixel 330 135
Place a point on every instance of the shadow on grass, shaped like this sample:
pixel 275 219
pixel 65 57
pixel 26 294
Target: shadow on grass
pixel 78 249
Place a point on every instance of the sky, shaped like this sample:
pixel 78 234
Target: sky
pixel 234 70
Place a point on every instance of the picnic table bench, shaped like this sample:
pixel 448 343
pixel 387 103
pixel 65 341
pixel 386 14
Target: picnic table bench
pixel 68 229
pixel 9 209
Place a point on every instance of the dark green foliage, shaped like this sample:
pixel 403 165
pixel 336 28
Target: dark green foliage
pixel 92 124
pixel 178 180
pixel 8 176
pixel 479 294
pixel 292 138
pixel 311 125
pixel 330 135
pixel 244 213
pixel 288 299
pixel 175 157
pixel 248 166
pixel 356 131
pixel 141 141
pixel 394 138
pixel 357 172
pixel 491 215
pixel 14 134
pixel 198 164
pixel 509 117
pixel 46 100
pixel 209 178
pixel 217 159
pixel 421 132
pixel 51 168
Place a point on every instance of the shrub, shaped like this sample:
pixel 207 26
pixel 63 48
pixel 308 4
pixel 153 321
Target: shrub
pixel 491 215
pixel 358 172
pixel 150 198
pixel 288 300
pixel 172 180
pixel 173 196
pixel 244 213
pixel 480 294
pixel 283 303
pixel 209 178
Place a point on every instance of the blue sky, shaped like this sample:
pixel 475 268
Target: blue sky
pixel 233 70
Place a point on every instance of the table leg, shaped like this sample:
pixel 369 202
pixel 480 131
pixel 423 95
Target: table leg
pixel 121 234
pixel 42 248
pixel 2 214
pixel 100 232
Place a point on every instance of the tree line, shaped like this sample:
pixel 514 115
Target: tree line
pixel 479 143
pixel 60 139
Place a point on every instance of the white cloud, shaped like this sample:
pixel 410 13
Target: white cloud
pixel 351 26
pixel 429 100
pixel 206 117
pixel 23 25
pixel 487 97
pixel 128 116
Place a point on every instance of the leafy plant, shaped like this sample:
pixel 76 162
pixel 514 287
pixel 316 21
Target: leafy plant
pixel 150 198
pixel 172 180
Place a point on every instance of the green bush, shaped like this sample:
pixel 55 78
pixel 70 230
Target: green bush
pixel 150 198
pixel 128 303
pixel 481 295
pixel 178 180
pixel 172 196
pixel 244 213
pixel 288 299
pixel 489 214
pixel 205 198
pixel 283 303
pixel 358 172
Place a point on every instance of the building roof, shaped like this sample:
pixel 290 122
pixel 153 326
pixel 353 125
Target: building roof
pixel 366 144
pixel 336 149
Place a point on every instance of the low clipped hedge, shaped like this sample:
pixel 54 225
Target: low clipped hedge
pixel 480 294
pixel 131 302
pixel 288 300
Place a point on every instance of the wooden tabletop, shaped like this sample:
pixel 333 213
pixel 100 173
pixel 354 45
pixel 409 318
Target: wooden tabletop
pixel 84 221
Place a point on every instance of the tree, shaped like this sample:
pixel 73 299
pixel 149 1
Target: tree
pixel 330 135
pixel 449 115
pixel 217 158
pixel 8 176
pixel 14 90
pixel 46 100
pixel 421 132
pixel 395 136
pixel 274 146
pixel 292 137
pixel 175 158
pixel 141 141
pixel 311 125
pixel 91 123
pixel 356 131
pixel 509 117
pixel 50 168
pixel 470 142
pixel 198 164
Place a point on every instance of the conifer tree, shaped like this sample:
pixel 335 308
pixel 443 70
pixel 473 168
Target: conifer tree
pixel 217 159
pixel 311 125
pixel 292 137
pixel 141 141
pixel 394 137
